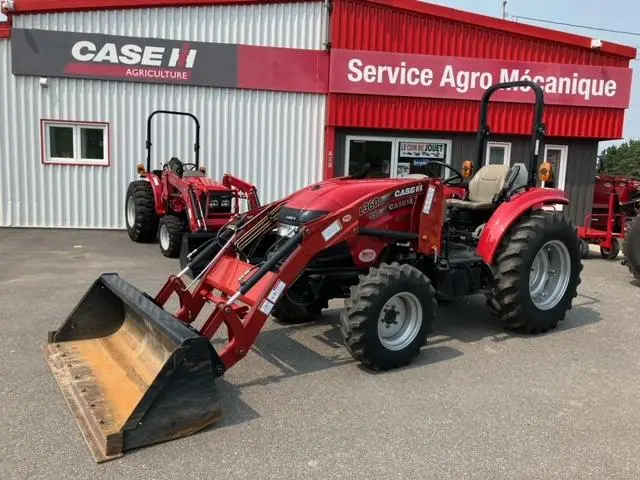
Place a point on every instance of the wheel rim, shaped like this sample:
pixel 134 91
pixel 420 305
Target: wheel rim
pixel 550 275
pixel 399 321
pixel 131 211
pixel 164 237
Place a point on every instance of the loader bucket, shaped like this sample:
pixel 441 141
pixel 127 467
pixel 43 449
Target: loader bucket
pixel 131 373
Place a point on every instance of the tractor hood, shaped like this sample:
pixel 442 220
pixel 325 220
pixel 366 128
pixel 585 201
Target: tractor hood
pixel 204 183
pixel 317 200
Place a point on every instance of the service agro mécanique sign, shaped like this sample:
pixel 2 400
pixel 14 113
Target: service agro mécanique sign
pixel 411 75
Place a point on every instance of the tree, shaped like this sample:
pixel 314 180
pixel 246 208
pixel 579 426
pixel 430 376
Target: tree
pixel 623 159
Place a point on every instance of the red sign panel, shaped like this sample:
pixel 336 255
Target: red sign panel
pixel 410 75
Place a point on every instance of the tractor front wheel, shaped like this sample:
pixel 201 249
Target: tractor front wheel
pixel 170 231
pixel 537 273
pixel 140 212
pixel 300 304
pixel 631 248
pixel 388 316
pixel 611 254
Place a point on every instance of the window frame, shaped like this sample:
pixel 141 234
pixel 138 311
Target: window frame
pixel 561 174
pixel 46 123
pixel 507 152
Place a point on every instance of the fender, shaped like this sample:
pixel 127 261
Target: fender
pixel 156 185
pixel 509 212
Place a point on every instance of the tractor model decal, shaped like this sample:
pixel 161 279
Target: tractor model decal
pixel 373 204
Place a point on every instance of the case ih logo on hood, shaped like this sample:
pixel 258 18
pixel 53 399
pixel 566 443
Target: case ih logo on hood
pixel 408 191
pixel 132 60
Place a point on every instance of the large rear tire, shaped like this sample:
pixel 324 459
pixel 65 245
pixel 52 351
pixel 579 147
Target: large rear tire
pixel 388 316
pixel 140 212
pixel 170 231
pixel 537 273
pixel 631 248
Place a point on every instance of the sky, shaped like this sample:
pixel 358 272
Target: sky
pixel 620 15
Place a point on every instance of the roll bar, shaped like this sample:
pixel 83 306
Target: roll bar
pixel 196 145
pixel 537 133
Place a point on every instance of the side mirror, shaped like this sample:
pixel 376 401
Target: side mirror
pixel 545 172
pixel 467 168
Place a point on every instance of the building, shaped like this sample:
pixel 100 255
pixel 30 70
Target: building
pixel 287 92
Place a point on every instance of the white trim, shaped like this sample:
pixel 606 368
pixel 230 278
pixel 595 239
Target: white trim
pixel 395 150
pixel 507 152
pixel 77 143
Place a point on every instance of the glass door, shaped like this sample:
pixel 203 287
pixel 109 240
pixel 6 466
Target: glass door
pixel 413 156
pixel 373 150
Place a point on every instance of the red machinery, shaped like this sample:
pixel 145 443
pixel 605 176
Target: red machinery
pixel 179 199
pixel 135 374
pixel 615 202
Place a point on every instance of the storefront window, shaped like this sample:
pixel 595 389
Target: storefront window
pixel 413 157
pixel 375 152
pixel 498 153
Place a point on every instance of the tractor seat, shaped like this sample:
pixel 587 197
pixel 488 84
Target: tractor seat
pixel 192 173
pixel 483 187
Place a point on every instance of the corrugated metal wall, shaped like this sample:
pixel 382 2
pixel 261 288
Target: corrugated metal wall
pixel 273 139
pixel 359 25
pixel 407 113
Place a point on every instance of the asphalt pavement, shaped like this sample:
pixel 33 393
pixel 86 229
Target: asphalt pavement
pixel 479 402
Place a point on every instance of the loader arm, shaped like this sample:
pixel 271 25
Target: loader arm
pixel 256 287
pixel 248 189
pixel 189 197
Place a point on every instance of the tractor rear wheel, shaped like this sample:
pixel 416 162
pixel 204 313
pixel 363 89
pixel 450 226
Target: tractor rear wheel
pixel 170 231
pixel 140 212
pixel 537 273
pixel 631 248
pixel 613 253
pixel 388 316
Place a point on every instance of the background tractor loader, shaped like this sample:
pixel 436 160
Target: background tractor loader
pixel 135 373
pixel 178 204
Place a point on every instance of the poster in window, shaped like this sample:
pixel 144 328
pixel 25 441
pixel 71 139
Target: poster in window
pixel 404 168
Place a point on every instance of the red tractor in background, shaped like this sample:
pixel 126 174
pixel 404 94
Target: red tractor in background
pixel 616 201
pixel 178 204
pixel 135 373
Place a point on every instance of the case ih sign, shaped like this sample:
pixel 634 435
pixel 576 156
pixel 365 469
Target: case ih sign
pixel 135 59
pixel 410 75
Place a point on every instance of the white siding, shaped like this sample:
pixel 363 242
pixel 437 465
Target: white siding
pixel 293 25
pixel 273 139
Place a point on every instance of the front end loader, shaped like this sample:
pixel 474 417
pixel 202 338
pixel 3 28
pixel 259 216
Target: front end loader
pixel 134 373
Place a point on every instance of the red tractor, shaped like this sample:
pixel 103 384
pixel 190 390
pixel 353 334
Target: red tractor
pixel 616 201
pixel 390 247
pixel 180 199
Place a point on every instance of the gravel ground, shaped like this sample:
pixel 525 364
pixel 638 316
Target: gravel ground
pixel 479 403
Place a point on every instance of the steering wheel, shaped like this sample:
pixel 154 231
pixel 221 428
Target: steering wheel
pixel 448 181
pixel 193 165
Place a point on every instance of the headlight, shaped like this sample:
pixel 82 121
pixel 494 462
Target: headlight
pixel 213 204
pixel 225 203
pixel 287 231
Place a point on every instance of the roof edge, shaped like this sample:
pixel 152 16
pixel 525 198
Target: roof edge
pixel 494 23
pixel 22 7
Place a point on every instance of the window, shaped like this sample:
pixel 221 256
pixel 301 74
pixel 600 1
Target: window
pixel 498 153
pixel 71 143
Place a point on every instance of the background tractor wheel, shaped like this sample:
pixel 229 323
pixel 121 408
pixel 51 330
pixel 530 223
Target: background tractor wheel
pixel 631 248
pixel 170 231
pixel 140 212
pixel 537 273
pixel 300 304
pixel 388 316
pixel 584 248
pixel 613 253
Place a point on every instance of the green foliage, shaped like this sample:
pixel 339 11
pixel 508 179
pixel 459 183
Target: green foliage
pixel 623 159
